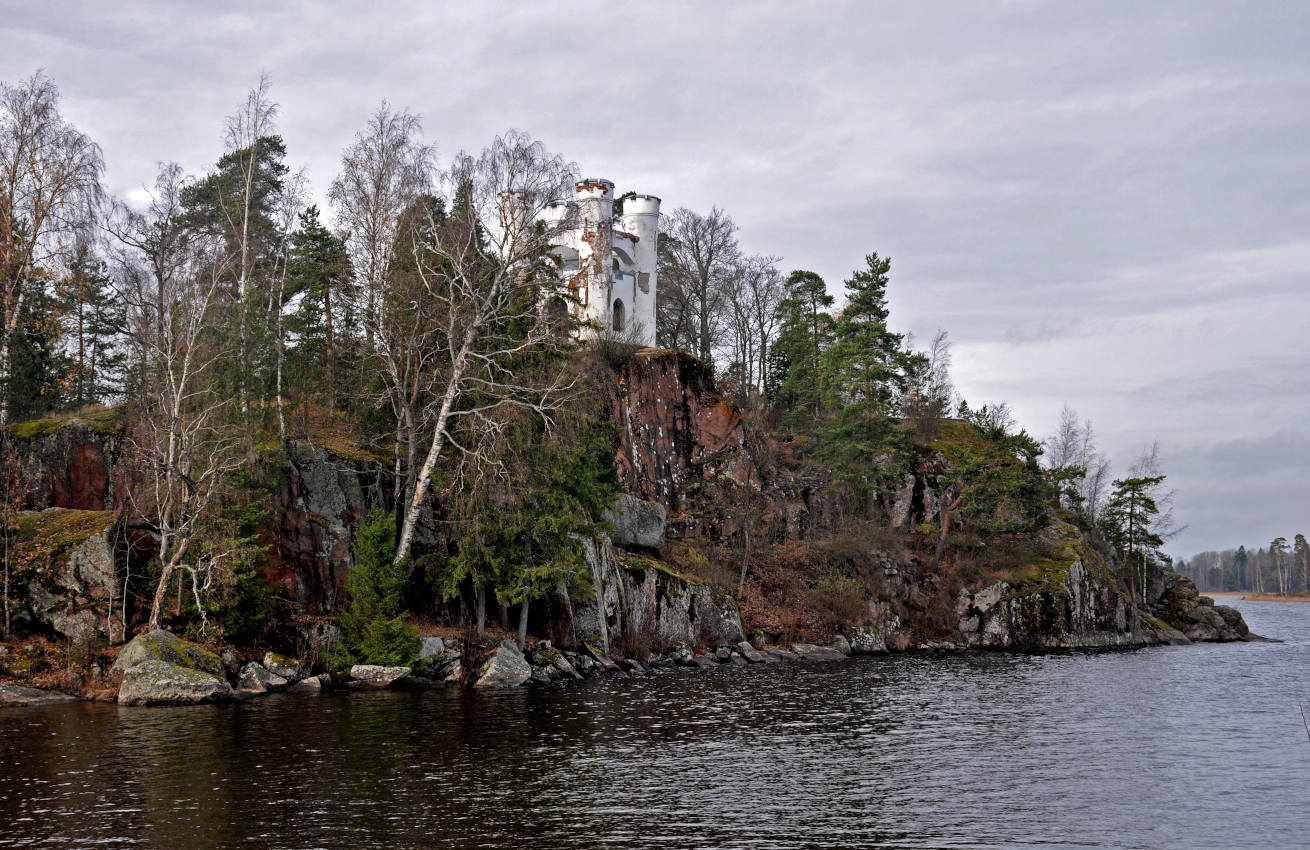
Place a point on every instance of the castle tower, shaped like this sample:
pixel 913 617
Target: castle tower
pixel 641 218
pixel 595 199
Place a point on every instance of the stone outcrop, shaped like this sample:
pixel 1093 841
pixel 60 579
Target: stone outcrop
pixel 638 526
pixel 66 565
pixel 677 429
pixel 645 607
pixel 71 463
pixel 1076 601
pixel 320 503
pixel 17 695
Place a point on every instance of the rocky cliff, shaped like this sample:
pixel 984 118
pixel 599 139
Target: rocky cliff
pixel 685 455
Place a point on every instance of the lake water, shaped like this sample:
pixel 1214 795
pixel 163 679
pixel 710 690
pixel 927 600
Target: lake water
pixel 1198 746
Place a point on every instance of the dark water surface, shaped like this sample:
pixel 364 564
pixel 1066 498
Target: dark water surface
pixel 1199 746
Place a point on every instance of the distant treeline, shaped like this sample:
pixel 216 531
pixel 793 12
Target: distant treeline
pixel 1282 568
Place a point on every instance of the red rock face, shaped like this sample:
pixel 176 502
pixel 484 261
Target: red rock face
pixel 676 428
pixel 68 469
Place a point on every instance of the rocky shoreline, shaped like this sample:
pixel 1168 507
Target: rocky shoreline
pixel 160 669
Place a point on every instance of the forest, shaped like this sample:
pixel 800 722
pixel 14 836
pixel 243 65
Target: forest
pixel 1281 569
pixel 227 318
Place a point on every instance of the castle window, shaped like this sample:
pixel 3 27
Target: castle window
pixel 618 315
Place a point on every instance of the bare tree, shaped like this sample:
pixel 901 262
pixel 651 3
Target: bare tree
pixel 698 269
pixel 930 394
pixel 1148 465
pixel 290 202
pixel 485 273
pixel 49 190
pixel 751 317
pixel 170 280
pixel 1073 447
pixel 382 174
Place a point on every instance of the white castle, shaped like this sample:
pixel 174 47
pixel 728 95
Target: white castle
pixel 610 270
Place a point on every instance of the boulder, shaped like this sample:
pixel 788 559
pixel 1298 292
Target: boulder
pixel 637 525
pixel 155 682
pixel 288 668
pixel 680 654
pixel 604 663
pixel 505 668
pixel 18 695
pixel 431 647
pixel 782 654
pixel 842 645
pixel 312 685
pixel 704 661
pixel 867 642
pixel 812 652
pixel 170 649
pixel 255 677
pixel 553 662
pixel 1233 622
pixel 372 677
pixel 446 667
pixel 750 653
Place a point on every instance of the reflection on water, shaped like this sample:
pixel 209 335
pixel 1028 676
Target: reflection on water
pixel 1167 747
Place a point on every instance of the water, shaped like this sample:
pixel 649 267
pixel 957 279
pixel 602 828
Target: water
pixel 1199 746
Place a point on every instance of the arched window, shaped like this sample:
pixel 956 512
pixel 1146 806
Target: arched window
pixel 557 317
pixel 618 314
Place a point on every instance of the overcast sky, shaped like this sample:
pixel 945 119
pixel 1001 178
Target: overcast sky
pixel 1105 204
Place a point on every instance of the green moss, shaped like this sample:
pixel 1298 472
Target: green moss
pixel 637 563
pixel 43 537
pixel 109 421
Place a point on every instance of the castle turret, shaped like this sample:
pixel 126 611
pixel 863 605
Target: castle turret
pixel 595 199
pixel 641 218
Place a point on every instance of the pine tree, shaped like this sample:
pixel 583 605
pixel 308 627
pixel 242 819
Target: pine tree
pixel 805 329
pixel 94 318
pixel 861 375
pixel 1126 522
pixel 319 274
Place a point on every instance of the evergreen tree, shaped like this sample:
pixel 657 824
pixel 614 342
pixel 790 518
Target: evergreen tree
pixel 373 629
pixel 37 371
pixel 864 368
pixel 522 529
pixel 861 375
pixel 94 319
pixel 805 329
pixel 237 203
pixel 319 273
pixel 1127 522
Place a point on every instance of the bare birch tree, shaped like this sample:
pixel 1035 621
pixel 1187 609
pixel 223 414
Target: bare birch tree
pixel 386 169
pixel 1073 447
pixel 170 281
pixel 49 190
pixel 485 274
